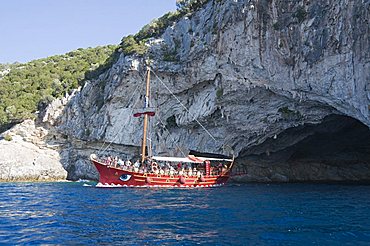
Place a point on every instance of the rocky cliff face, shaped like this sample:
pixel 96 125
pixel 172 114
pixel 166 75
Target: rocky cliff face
pixel 265 78
pixel 25 156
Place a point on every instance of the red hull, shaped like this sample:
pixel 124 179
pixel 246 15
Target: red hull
pixel 112 177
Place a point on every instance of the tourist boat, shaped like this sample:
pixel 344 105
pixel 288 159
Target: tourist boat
pixel 195 170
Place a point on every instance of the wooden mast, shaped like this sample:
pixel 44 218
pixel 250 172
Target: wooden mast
pixel 145 115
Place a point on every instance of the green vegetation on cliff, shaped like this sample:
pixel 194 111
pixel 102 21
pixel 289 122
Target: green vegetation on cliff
pixel 25 88
pixel 28 86
pixel 135 44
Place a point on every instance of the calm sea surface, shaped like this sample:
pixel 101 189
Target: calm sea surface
pixel 251 214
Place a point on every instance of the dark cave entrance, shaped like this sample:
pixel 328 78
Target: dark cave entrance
pixel 338 149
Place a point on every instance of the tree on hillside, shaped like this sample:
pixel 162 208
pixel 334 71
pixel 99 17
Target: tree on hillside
pixel 29 86
pixel 180 4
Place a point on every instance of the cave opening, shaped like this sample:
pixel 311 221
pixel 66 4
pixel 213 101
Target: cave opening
pixel 336 150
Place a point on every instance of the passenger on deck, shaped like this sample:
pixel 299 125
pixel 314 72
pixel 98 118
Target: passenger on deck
pixel 212 171
pixel 224 169
pixel 121 163
pixel 108 161
pixel 168 165
pixel 136 166
pixel 190 171
pixel 147 162
pixel 219 169
pixel 166 171
pixel 128 163
pixel 141 170
pixel 172 170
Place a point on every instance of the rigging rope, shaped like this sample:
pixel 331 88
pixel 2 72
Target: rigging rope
pixel 157 116
pixel 187 110
pixel 169 134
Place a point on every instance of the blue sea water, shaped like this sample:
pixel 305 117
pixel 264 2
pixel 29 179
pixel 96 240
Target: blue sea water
pixel 251 214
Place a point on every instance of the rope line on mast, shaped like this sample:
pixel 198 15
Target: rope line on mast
pixel 160 120
pixel 187 110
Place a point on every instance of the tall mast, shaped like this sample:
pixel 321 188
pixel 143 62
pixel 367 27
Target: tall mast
pixel 146 105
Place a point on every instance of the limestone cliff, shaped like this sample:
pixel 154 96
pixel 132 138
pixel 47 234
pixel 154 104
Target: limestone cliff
pixel 24 156
pixel 273 80
pixel 248 71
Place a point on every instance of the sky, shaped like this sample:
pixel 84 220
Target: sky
pixel 33 29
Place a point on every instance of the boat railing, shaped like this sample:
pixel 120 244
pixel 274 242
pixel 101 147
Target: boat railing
pixel 147 168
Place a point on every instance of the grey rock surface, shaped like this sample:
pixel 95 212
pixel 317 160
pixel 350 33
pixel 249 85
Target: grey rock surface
pixel 249 71
pixel 26 158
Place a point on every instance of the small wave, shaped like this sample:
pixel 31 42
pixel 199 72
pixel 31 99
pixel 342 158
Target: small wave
pixel 100 185
pixel 83 181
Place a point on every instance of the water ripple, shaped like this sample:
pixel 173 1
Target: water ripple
pixel 291 214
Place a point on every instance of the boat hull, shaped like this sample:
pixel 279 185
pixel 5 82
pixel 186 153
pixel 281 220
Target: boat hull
pixel 116 177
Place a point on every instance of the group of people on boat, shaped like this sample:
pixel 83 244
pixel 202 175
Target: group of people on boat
pixel 166 168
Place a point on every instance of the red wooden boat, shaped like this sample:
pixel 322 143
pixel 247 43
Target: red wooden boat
pixel 205 172
pixel 199 170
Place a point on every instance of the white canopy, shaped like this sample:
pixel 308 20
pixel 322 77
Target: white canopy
pixel 214 159
pixel 186 159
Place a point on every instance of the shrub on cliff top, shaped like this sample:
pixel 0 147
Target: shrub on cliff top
pixel 136 44
pixel 31 84
pixel 157 26
pixel 187 6
pixel 130 46
pixel 8 137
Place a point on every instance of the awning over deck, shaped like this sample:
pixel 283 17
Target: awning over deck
pixel 189 159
